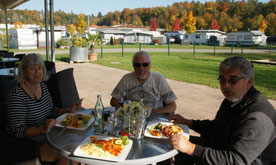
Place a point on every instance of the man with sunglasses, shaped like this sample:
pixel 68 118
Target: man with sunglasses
pixel 244 129
pixel 152 87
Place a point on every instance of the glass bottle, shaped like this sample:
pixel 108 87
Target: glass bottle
pixel 99 112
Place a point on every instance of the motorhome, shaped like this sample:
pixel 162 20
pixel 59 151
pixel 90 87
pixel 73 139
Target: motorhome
pixel 246 38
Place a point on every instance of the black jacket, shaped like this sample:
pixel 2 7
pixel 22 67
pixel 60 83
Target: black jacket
pixel 241 133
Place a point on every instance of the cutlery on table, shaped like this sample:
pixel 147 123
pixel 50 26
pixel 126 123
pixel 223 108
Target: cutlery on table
pixel 65 127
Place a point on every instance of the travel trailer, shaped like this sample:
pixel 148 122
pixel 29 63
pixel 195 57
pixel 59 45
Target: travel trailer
pixel 202 36
pixel 145 37
pixel 177 36
pixel 246 38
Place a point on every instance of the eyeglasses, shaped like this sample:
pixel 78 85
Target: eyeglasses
pixel 232 81
pixel 139 64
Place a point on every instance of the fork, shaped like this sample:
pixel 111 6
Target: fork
pixel 65 127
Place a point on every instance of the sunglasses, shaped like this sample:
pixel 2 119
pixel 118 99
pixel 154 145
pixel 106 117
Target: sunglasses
pixel 139 64
pixel 232 81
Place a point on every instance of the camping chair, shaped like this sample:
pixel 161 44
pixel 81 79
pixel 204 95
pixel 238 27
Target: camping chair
pixel 50 67
pixel 63 89
pixel 15 151
pixel 20 56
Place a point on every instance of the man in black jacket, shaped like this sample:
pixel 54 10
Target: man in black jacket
pixel 244 129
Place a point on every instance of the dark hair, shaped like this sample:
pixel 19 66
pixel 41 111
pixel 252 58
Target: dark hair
pixel 236 62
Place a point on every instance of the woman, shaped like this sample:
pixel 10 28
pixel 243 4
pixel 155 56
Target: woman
pixel 30 113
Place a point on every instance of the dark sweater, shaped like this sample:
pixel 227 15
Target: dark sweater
pixel 241 133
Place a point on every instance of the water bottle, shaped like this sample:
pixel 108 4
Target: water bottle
pixel 99 112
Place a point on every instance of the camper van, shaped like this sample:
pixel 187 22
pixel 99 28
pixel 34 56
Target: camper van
pixel 246 38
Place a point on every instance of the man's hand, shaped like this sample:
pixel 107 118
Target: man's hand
pixel 180 143
pixel 181 120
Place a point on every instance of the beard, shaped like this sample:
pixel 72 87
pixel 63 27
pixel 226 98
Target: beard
pixel 230 95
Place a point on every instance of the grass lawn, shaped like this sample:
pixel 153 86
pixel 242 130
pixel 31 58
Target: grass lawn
pixel 199 69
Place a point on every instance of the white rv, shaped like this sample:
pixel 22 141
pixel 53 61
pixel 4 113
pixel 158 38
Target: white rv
pixel 246 38
pixel 202 36
pixel 23 39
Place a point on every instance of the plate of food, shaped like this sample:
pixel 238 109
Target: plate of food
pixel 105 148
pixel 165 130
pixel 78 121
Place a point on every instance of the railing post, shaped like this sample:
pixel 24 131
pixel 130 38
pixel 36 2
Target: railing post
pixel 232 47
pixel 169 49
pixel 139 46
pixel 101 48
pixel 194 48
pixel 242 47
pixel 270 50
pixel 214 48
pixel 123 48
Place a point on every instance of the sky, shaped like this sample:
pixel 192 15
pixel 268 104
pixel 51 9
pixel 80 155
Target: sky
pixel 89 7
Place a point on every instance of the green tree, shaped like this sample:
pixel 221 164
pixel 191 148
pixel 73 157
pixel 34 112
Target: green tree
pixel 271 24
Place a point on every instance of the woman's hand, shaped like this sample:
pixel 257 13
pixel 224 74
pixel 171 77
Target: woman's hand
pixel 180 143
pixel 48 125
pixel 76 106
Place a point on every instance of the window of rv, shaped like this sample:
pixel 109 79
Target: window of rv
pixel 198 36
pixel 247 37
pixel 239 37
pixel 231 37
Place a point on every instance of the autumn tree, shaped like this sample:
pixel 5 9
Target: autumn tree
pixel 223 22
pixel 153 25
pixel 135 20
pixel 263 25
pixel 125 15
pixel 173 14
pixel 17 24
pixel 201 23
pixel 190 23
pixel 215 25
pixel 176 25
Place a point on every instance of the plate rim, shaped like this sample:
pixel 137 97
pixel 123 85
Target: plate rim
pixel 163 137
pixel 78 151
pixel 60 118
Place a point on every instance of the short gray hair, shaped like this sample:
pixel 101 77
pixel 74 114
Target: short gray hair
pixel 246 68
pixel 30 60
pixel 141 53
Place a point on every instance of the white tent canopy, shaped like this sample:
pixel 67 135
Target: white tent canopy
pixel 10 4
